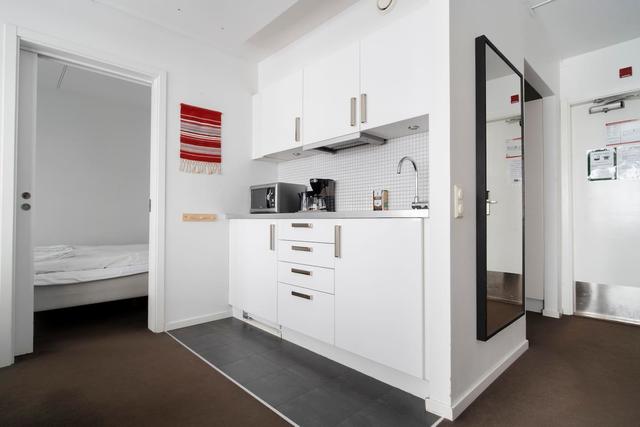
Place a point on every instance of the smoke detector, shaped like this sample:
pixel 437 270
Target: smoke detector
pixel 385 5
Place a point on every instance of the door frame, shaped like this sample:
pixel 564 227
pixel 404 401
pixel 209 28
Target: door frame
pixel 567 279
pixel 15 38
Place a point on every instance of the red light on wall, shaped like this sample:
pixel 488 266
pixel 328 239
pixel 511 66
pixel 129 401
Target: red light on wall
pixel 625 72
pixel 515 99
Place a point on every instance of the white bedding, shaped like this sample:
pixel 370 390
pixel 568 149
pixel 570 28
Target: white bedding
pixel 56 265
pixel 81 276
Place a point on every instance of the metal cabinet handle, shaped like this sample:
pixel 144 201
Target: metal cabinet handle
pixel 301 225
pixel 353 111
pixel 272 235
pixel 363 108
pixel 337 236
pixel 297 132
pixel 301 248
pixel 301 295
pixel 303 272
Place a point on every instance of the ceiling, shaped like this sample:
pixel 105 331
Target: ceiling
pixel 90 83
pixel 579 26
pixel 251 29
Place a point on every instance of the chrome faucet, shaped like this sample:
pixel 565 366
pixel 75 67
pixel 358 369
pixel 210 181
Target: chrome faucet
pixel 417 203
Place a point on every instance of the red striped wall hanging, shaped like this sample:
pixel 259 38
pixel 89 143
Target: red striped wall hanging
pixel 200 140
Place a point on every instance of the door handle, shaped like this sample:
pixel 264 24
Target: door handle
pixel 363 108
pixel 272 235
pixel 353 111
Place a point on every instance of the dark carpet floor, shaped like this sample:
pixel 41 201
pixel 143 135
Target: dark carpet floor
pixel 99 365
pixel 577 372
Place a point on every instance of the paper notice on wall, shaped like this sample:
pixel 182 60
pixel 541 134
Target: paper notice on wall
pixel 515 169
pixel 601 164
pixel 623 132
pixel 628 160
pixel 513 148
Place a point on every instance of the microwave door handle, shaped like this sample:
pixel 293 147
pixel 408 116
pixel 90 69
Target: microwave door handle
pixel 268 197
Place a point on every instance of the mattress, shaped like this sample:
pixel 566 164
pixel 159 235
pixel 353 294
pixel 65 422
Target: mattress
pixel 62 264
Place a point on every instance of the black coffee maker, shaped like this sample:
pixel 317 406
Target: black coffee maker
pixel 323 192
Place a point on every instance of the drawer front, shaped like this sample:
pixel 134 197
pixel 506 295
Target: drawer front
pixel 306 311
pixel 316 230
pixel 307 253
pixel 306 276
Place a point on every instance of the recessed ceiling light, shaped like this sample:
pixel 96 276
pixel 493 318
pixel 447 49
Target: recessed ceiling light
pixel 179 10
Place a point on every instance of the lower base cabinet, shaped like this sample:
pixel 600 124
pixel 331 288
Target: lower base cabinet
pixel 379 292
pixel 253 267
pixel 364 295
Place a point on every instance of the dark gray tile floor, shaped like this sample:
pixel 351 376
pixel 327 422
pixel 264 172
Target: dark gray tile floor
pixel 309 389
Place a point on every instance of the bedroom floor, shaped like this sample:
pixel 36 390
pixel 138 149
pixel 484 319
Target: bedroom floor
pixel 100 365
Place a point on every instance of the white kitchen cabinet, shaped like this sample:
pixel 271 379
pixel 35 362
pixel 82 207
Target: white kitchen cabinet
pixel 331 90
pixel 280 116
pixel 394 72
pixel 379 291
pixel 306 311
pixel 253 267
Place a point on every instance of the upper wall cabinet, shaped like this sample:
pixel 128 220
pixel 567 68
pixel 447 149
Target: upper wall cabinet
pixel 279 116
pixel 394 73
pixel 331 88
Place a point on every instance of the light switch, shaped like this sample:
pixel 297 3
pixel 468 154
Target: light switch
pixel 458 202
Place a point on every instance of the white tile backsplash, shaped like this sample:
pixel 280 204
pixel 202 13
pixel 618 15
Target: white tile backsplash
pixel 359 171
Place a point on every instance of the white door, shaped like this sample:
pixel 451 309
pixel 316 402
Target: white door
pixel 281 115
pixel 331 90
pixel 504 209
pixel 379 292
pixel 534 200
pixel 253 269
pixel 25 194
pixel 394 72
pixel 606 213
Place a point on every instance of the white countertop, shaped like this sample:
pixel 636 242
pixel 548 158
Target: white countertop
pixel 412 213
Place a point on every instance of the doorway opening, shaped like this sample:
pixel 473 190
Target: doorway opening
pixel 82 227
pixel 19 48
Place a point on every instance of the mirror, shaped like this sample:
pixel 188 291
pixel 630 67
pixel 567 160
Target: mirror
pixel 499 191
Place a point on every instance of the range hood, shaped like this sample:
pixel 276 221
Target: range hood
pixel 344 142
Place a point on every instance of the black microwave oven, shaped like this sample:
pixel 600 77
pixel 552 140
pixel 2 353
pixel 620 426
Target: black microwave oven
pixel 279 197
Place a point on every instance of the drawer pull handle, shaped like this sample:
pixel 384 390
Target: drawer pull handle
pixel 301 248
pixel 301 225
pixel 298 271
pixel 301 295
pixel 337 244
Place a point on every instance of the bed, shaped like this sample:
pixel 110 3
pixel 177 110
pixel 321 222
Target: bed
pixel 67 276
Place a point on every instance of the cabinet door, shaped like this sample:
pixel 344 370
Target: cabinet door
pixel 281 115
pixel 394 72
pixel 253 269
pixel 379 292
pixel 331 85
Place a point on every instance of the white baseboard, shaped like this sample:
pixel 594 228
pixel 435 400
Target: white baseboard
pixel 439 408
pixel 490 376
pixel 551 313
pixel 183 323
pixel 533 304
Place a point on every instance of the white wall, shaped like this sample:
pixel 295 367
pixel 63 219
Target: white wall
pixel 510 26
pixel 595 74
pixel 584 77
pixel 196 253
pixel 92 169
